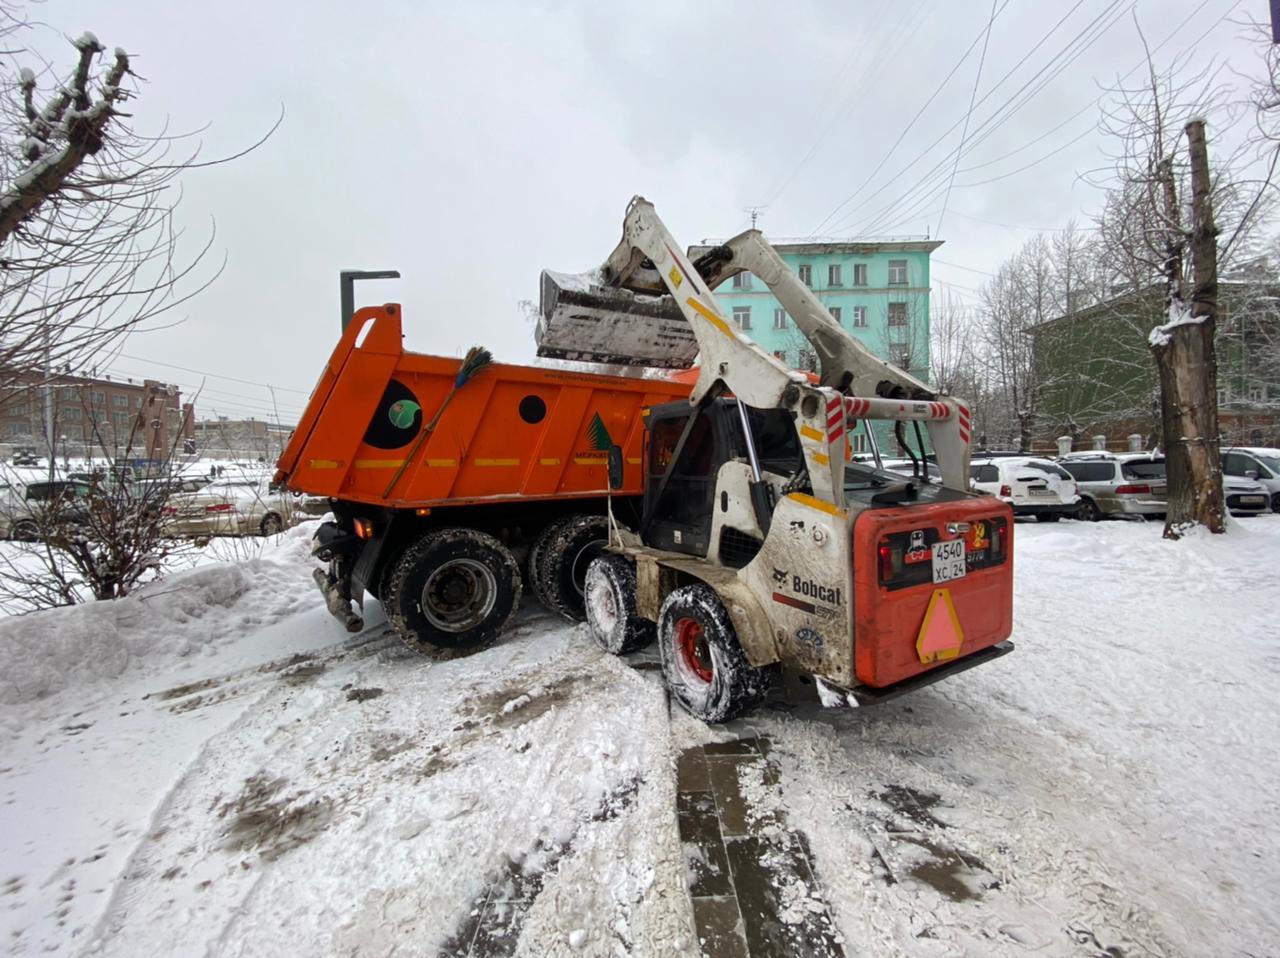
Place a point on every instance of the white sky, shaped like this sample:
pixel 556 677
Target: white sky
pixel 470 145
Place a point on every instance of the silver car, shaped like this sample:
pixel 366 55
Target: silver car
pixel 231 507
pixel 1118 485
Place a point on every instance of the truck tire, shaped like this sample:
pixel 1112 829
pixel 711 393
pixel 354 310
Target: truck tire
pixel 609 597
pixel 533 566
pixel 704 665
pixel 452 592
pixel 562 566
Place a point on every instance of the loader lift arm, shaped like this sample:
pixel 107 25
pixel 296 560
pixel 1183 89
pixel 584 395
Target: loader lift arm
pixel 854 383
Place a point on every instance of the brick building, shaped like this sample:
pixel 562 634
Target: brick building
pixel 95 417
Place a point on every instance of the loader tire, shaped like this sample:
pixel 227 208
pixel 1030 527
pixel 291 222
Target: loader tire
pixel 452 592
pixel 562 566
pixel 610 600
pixel 705 667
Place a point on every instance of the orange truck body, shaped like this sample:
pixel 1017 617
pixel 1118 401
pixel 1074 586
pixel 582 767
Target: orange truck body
pixel 512 432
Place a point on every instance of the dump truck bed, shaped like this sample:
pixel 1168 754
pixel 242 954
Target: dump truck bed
pixel 510 432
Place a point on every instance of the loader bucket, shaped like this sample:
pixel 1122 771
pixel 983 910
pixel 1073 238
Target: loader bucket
pixel 584 320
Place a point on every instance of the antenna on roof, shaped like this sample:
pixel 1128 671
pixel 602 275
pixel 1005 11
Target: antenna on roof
pixel 754 212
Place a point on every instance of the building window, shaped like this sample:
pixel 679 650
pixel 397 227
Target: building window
pixel 897 272
pixel 742 316
pixel 1255 393
pixel 99 398
pixel 858 443
pixel 835 312
pixel 779 319
pixel 1223 396
pixel 835 275
pixel 806 274
pixel 897 314
pixel 120 402
pixel 900 355
pixel 71 414
pixel 741 280
pixel 859 274
pixel 860 316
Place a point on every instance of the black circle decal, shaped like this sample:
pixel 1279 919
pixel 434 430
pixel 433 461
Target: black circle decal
pixel 397 419
pixel 533 409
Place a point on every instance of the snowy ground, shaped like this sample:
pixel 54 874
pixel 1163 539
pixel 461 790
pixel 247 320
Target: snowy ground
pixel 215 767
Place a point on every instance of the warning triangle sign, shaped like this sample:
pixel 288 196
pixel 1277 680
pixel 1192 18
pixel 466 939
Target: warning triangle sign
pixel 940 635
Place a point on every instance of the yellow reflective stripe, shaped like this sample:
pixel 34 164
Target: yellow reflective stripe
pixel 820 459
pixel 711 317
pixel 442 463
pixel 812 503
pixel 810 433
pixel 634 462
pixel 379 463
pixel 497 462
pixel 591 460
pixel 548 462
pixel 323 464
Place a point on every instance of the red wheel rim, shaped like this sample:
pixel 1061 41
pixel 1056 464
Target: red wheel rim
pixel 692 647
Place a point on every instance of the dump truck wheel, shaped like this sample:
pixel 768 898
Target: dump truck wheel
pixel 562 566
pixel 704 665
pixel 452 592
pixel 610 603
pixel 533 567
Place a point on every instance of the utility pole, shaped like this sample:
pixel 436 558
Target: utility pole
pixel 48 404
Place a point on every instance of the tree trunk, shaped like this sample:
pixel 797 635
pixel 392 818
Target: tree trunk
pixel 1185 358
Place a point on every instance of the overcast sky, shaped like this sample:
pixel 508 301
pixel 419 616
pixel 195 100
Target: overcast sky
pixel 470 145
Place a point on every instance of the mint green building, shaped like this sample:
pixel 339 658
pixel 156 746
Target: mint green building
pixel 878 291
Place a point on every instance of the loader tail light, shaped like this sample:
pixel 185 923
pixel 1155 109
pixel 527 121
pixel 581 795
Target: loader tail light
pixel 1006 492
pixel 220 507
pixel 1133 490
pixel 364 528
pixel 998 543
pixel 890 562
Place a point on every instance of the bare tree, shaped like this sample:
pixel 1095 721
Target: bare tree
pixel 88 242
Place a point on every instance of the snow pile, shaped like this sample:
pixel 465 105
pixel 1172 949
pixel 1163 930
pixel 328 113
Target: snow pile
pixel 188 613
pixel 1179 315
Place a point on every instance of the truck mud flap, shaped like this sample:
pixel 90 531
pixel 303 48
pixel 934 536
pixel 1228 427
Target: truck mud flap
pixel 337 598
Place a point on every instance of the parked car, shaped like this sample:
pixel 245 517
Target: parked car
pixel 231 507
pixel 1033 487
pixel 27 511
pixel 1245 497
pixel 905 468
pixel 1118 485
pixel 1260 465
pixel 25 457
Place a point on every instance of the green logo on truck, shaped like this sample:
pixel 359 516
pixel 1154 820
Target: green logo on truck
pixel 402 413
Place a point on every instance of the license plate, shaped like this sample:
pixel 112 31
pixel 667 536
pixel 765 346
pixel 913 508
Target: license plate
pixel 1040 492
pixel 948 560
pixel 1252 500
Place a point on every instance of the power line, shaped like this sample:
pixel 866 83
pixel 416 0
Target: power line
pixel 202 372
pixel 977 77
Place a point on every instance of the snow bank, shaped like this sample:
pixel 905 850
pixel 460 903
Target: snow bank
pixel 185 614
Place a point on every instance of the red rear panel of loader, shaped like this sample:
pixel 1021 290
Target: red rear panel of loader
pixel 909 618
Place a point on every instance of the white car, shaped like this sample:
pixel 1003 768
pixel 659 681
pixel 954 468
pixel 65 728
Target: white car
pixel 1259 465
pixel 231 507
pixel 1032 487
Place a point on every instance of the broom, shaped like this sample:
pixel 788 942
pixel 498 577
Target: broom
pixel 477 358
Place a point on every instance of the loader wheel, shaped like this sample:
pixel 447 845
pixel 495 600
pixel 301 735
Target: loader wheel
pixel 452 592
pixel 562 566
pixel 609 598
pixel 704 665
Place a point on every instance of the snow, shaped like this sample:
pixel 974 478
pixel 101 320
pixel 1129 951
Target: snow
pixel 1179 315
pixel 246 779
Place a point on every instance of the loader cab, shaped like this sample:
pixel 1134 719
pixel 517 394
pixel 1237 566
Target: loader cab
pixel 682 510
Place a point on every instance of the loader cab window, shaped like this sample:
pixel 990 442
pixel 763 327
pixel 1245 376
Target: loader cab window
pixel 682 519
pixel 774 434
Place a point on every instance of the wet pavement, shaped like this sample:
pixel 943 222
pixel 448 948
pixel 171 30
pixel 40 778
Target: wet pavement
pixel 751 877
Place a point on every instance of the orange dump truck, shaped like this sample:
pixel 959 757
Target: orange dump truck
pixel 470 480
